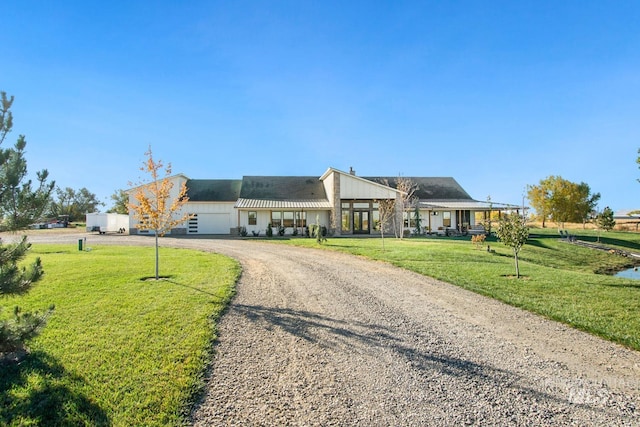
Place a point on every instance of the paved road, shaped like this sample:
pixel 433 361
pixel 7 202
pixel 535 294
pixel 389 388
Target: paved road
pixel 321 338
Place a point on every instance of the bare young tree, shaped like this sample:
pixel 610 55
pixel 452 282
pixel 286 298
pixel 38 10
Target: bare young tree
pixel 407 188
pixel 387 214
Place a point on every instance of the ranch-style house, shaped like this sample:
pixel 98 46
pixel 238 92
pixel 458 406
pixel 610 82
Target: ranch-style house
pixel 344 203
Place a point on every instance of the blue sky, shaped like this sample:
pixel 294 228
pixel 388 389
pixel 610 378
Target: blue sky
pixel 497 94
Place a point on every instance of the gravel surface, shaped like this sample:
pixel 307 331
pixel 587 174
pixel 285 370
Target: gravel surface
pixel 316 338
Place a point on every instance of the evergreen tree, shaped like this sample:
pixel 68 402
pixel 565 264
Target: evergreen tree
pixel 418 220
pixel 20 205
pixel 604 220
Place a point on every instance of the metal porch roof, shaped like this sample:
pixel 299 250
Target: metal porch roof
pixel 298 204
pixel 466 205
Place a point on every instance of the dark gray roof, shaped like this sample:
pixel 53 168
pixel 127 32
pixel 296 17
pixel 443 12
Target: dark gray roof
pixel 307 188
pixel 213 190
pixel 438 188
pixel 282 188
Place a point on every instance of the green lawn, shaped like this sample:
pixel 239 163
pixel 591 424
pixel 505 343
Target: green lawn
pixel 560 280
pixel 118 350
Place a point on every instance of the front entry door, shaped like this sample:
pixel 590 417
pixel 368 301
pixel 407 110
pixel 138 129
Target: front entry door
pixel 361 222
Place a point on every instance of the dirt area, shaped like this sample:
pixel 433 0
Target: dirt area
pixel 321 338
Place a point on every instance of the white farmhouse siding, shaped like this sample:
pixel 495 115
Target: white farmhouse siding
pixel 329 182
pixel 177 181
pixel 352 187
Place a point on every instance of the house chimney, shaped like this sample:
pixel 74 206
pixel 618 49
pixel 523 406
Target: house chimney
pixel 351 171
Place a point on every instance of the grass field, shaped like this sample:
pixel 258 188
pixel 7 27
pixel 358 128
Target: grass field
pixel 560 280
pixel 118 350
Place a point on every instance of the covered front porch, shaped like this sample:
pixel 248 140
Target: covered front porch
pixel 286 217
pixel 453 217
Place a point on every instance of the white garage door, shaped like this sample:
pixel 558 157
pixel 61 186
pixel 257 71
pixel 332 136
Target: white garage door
pixel 209 223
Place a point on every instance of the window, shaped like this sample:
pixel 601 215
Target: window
pixel 192 224
pixel 446 219
pixel 287 219
pixel 253 218
pixel 409 218
pixel 375 217
pixel 301 219
pixel 145 230
pixel 346 219
pixel 276 218
pixel 360 215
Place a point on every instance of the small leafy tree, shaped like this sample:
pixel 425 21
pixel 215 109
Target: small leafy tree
pixel 155 210
pixel 20 205
pixel 513 232
pixel 317 231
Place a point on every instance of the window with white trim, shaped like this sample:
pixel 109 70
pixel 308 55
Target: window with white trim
pixel 252 218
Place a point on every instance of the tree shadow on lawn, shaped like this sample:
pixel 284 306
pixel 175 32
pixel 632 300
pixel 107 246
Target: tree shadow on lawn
pixel 409 343
pixel 36 392
pixel 193 288
pixel 540 244
pixel 629 284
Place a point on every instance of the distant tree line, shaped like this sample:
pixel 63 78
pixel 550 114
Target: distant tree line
pixel 75 204
pixel 72 204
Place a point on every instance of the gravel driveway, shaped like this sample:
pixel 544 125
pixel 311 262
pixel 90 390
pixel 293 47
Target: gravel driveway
pixel 317 338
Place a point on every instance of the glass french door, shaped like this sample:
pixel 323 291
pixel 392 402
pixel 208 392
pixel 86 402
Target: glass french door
pixel 361 222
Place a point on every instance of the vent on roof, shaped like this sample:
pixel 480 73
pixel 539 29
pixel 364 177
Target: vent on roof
pixel 352 171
